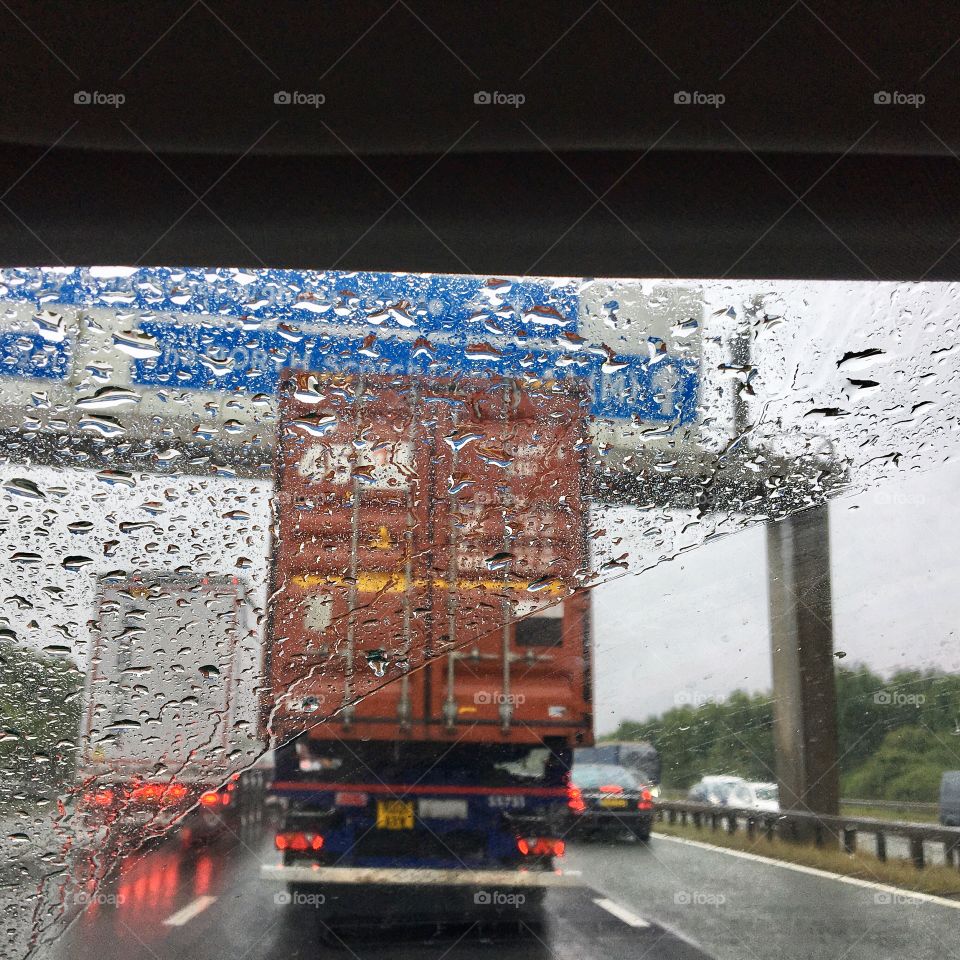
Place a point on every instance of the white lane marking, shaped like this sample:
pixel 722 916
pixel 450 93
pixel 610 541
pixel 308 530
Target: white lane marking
pixel 816 872
pixel 185 915
pixel 621 913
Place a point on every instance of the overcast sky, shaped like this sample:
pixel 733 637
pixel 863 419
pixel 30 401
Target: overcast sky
pixel 697 627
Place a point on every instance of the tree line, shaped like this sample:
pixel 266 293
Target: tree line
pixel 896 735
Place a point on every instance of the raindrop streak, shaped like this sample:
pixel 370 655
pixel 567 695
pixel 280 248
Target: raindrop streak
pixel 19 487
pixel 140 346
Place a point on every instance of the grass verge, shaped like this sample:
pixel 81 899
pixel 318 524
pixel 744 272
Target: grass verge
pixel 942 881
pixel 885 813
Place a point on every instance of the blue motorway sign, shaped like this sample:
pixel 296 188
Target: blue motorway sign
pixel 235 330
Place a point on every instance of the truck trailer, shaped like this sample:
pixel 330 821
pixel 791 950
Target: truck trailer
pixel 158 729
pixel 427 669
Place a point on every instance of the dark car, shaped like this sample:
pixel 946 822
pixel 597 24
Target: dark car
pixel 950 798
pixel 606 799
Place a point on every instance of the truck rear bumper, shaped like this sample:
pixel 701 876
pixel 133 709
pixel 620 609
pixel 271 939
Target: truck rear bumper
pixel 414 877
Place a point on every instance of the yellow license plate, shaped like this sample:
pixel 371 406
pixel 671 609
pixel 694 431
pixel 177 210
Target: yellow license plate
pixel 395 814
pixel 613 802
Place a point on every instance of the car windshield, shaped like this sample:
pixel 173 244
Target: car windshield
pixel 320 587
pixel 590 776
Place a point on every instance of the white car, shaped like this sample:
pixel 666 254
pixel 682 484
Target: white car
pixel 762 797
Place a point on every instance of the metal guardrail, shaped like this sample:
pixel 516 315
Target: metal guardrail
pixel 822 830
pixel 915 805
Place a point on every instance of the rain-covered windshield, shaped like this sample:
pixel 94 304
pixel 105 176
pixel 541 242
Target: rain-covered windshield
pixel 314 585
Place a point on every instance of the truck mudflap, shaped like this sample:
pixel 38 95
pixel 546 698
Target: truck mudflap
pixel 416 876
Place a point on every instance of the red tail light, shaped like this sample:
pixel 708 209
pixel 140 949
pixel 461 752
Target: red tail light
pixel 102 798
pixel 611 788
pixel 159 793
pixel 575 799
pixel 298 841
pixel 541 846
pixel 210 799
pixel 646 800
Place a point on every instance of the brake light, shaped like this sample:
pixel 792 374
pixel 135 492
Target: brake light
pixel 575 799
pixel 646 800
pixel 298 841
pixel 210 799
pixel 611 788
pixel 102 798
pixel 150 793
pixel 348 798
pixel 541 847
pixel 159 793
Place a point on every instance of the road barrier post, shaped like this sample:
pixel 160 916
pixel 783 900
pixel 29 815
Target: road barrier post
pixel 849 840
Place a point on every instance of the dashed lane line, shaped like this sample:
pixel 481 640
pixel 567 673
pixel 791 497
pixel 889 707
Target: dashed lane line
pixel 191 910
pixel 621 913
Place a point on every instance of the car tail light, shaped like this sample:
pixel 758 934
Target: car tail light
pixel 646 800
pixel 298 841
pixel 210 799
pixel 350 798
pixel 102 798
pixel 148 793
pixel 159 793
pixel 611 788
pixel 575 799
pixel 541 846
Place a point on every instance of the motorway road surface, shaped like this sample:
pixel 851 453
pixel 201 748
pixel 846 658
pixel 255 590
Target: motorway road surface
pixel 633 901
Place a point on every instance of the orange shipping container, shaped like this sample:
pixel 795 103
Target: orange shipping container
pixel 430 536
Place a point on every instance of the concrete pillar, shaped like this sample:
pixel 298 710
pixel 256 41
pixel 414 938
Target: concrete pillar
pixel 801 638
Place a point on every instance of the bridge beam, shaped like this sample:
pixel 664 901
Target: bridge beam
pixel 801 637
